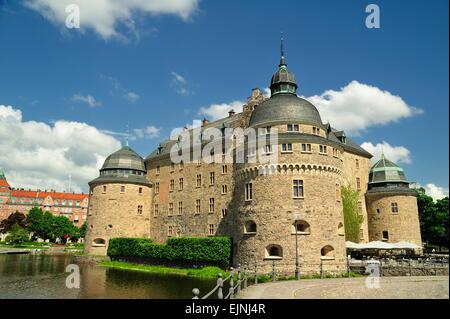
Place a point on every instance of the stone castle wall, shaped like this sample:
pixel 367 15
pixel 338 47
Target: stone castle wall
pixel 401 226
pixel 115 214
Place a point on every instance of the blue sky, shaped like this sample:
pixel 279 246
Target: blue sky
pixel 161 72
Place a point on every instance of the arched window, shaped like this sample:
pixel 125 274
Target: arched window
pixel 274 252
pixel 99 242
pixel 250 227
pixel 301 227
pixel 341 231
pixel 327 252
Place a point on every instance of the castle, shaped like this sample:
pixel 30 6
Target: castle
pixel 271 210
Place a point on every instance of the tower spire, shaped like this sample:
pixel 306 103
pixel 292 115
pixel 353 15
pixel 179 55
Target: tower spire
pixel 282 59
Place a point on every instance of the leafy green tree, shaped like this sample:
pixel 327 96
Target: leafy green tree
pixel 434 219
pixel 83 230
pixel 34 222
pixel 63 228
pixel 352 219
pixel 17 235
pixel 16 218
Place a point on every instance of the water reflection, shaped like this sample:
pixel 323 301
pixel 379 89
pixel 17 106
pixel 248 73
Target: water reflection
pixel 43 276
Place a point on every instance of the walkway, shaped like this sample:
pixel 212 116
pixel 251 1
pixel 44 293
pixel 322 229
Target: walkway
pixel 352 288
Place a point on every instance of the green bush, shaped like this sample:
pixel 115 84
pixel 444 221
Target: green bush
pixel 205 250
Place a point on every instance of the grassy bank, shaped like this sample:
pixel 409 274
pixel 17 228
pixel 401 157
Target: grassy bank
pixel 205 272
pixel 27 245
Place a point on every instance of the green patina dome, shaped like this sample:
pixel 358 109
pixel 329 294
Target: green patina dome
pixel 386 171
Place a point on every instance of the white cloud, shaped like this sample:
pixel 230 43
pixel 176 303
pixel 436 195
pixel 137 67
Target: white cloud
pixel 436 192
pixel 131 96
pixel 88 99
pixel 218 111
pixel 147 132
pixel 105 17
pixel 396 154
pixel 38 155
pixel 359 106
pixel 180 84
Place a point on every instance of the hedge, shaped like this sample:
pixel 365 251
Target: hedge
pixel 208 250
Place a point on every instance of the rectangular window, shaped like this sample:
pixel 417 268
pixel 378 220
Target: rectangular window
pixel 158 170
pixel 170 231
pixel 360 210
pixel 172 185
pixel 335 152
pixel 306 148
pixel 122 189
pixel 297 187
pixel 180 208
pixel 385 235
pixel 248 191
pixel 286 148
pixel 211 178
pixel 197 206
pixel 358 183
pixel 224 169
pixel 268 149
pixel 224 189
pixel 224 212
pixel 357 163
pixel 211 230
pixel 323 149
pixel 140 190
pixel 180 184
pixel 394 208
pixel 139 210
pixel 199 180
pixel 170 212
pixel 292 128
pixel 157 188
pixel 155 210
pixel 211 205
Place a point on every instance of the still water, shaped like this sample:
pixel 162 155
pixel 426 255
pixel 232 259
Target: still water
pixel 44 276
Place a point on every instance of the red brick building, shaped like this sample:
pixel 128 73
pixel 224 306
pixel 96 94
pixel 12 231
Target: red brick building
pixel 72 205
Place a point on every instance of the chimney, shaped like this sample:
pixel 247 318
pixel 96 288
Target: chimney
pixel 231 113
pixel 205 122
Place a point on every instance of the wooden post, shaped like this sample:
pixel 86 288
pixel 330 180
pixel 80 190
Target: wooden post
pixel 273 271
pixel 245 275
pixel 256 273
pixel 220 284
pixel 196 292
pixel 231 283
pixel 238 291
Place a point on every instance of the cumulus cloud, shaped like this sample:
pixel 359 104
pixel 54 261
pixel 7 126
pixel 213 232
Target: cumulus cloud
pixel 397 154
pixel 436 192
pixel 180 84
pixel 88 99
pixel 217 111
pixel 106 17
pixel 147 132
pixel 359 106
pixel 40 155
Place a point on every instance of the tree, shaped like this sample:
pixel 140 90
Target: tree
pixel 352 219
pixel 17 235
pixel 16 218
pixel 34 222
pixel 434 219
pixel 63 227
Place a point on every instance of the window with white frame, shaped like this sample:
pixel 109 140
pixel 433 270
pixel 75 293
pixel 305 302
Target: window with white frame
pixel 170 231
pixel 248 191
pixel 157 188
pixel 211 230
pixel 181 184
pixel 306 148
pixel 211 205
pixel 211 178
pixel 172 185
pixel 286 148
pixel 197 206
pixel 224 169
pixel 199 180
pixel 323 149
pixel 394 208
pixel 224 188
pixel 170 212
pixel 293 128
pixel 224 212
pixel 155 210
pixel 297 188
pixel 180 208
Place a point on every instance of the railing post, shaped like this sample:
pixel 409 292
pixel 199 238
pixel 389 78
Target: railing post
pixel 238 292
pixel 196 292
pixel 231 283
pixel 321 269
pixel 245 275
pixel 273 271
pixel 220 284
pixel 256 273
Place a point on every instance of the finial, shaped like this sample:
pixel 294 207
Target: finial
pixel 382 152
pixel 282 59
pixel 127 135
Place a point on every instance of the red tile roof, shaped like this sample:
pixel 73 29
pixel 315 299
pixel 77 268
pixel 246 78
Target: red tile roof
pixel 53 195
pixel 4 183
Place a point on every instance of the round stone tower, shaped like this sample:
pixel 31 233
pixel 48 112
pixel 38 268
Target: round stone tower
pixel 119 201
pixel 392 206
pixel 291 205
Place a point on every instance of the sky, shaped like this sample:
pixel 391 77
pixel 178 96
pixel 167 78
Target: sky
pixel 69 96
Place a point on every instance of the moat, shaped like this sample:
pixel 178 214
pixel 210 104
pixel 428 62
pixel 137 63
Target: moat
pixel 43 276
